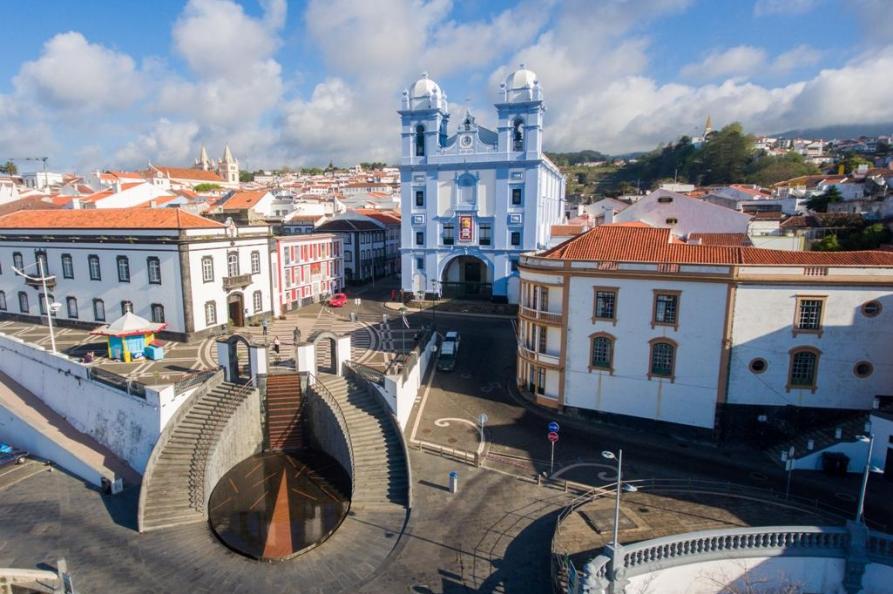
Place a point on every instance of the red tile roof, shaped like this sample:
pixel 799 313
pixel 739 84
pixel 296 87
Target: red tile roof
pixel 29 203
pixel 388 217
pixel 242 200
pixel 107 218
pixel 733 239
pixel 635 244
pixel 186 173
pixel 566 230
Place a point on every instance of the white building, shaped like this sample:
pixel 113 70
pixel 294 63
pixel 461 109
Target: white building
pixel 624 320
pixel 473 201
pixel 41 180
pixel 683 214
pixel 308 267
pixel 165 265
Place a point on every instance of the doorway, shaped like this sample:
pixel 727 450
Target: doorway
pixel 236 306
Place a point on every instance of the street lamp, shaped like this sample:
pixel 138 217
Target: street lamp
pixel 869 439
pixel 48 307
pixel 609 455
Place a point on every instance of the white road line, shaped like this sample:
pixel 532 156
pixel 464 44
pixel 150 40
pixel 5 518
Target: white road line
pixel 418 418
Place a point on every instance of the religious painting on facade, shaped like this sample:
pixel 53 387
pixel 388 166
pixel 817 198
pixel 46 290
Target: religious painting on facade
pixel 466 228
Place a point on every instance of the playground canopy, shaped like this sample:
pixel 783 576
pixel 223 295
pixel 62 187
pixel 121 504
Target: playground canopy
pixel 128 336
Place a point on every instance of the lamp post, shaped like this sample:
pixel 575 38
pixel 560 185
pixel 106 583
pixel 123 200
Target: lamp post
pixel 609 455
pixel 860 516
pixel 49 308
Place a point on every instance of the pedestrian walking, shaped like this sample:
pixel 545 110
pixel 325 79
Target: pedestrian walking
pixel 276 347
pixel 266 326
pixel 296 335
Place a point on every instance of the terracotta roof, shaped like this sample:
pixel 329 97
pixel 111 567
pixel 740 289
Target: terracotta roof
pixel 749 190
pixel 768 215
pixel 387 217
pixel 107 218
pixel 242 200
pixel 733 239
pixel 809 180
pixel 29 203
pixel 615 243
pixel 187 173
pixel 566 230
pixel 109 192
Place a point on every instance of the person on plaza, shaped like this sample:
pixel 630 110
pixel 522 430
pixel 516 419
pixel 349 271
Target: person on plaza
pixel 296 335
pixel 266 326
pixel 276 346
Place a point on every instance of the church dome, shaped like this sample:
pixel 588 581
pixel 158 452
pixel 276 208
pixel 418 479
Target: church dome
pixel 426 94
pixel 521 85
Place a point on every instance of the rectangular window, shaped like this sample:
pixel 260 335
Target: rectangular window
pixel 516 238
pixel 541 380
pixel 207 269
pixel 516 197
pixel 72 307
pixel 153 266
pixel 804 364
pixel 602 352
pixel 23 303
pixel 662 359
pixel 419 263
pixel 258 303
pixel 809 314
pixel 666 308
pixel 420 198
pixel 93 265
pixel 17 262
pixel 99 310
pixel 420 238
pixel 123 269
pixel 542 334
pixel 544 299
pixel 484 235
pixel 449 237
pixel 126 307
pixel 255 262
pixel 513 264
pixel 67 266
pixel 605 304
pixel 2 301
pixel 232 264
pixel 42 264
pixel 210 313
pixel 157 313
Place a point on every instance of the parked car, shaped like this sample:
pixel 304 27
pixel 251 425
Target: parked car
pixel 449 351
pixel 337 300
pixel 452 336
pixel 10 455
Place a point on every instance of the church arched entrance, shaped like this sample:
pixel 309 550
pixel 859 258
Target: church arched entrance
pixel 467 277
pixel 235 304
pixel 239 360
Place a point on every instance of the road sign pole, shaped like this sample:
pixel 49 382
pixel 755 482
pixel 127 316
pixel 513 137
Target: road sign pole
pixel 552 459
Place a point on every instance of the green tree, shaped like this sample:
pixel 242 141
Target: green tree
pixel 9 168
pixel 770 169
pixel 828 243
pixel 820 203
pixel 246 176
pixel 725 158
pixel 869 238
pixel 201 188
pixel 851 163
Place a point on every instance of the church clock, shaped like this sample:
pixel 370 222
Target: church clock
pixel 465 141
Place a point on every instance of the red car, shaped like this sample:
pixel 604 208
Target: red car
pixel 337 300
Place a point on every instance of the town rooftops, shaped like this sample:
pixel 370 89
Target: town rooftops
pixel 243 200
pixel 107 218
pixel 29 203
pixel 186 173
pixel 739 239
pixel 566 230
pixel 358 224
pixel 383 216
pixel 616 243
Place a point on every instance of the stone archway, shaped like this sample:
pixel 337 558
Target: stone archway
pixel 325 351
pixel 466 277
pixel 235 305
pixel 236 361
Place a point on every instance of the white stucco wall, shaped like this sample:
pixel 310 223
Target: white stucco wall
pixel 689 399
pixel 762 327
pixel 692 215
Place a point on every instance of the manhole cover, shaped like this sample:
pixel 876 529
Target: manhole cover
pixel 758 476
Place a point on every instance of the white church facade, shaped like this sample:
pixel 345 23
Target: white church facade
pixel 473 201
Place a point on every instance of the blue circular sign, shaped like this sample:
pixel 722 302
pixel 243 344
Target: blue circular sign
pixel 553 427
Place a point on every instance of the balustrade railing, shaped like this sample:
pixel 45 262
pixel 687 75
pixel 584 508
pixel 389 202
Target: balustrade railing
pixel 539 315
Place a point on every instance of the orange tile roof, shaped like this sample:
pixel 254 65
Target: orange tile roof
pixel 635 244
pixel 107 218
pixel 187 173
pixel 388 217
pixel 109 192
pixel 28 203
pixel 240 200
pixel 739 239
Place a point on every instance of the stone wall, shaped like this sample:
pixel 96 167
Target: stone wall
pixel 324 428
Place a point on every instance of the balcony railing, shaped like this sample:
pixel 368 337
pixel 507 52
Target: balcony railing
pixel 236 282
pixel 540 316
pixel 544 358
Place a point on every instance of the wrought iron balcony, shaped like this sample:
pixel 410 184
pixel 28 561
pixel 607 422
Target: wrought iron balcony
pixel 236 282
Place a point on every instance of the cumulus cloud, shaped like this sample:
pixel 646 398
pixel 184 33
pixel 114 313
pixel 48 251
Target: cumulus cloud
pixel 74 74
pixel 786 7
pixel 798 57
pixel 167 143
pixel 741 60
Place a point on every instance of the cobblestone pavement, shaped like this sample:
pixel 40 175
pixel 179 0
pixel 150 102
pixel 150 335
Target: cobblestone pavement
pixel 493 536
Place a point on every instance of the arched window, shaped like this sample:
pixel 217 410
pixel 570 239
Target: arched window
pixel 157 313
pixel 93 265
pixel 662 362
pixel 72 303
pixel 518 135
pixel 23 302
pixel 123 269
pixel 99 310
pixel 207 269
pixel 210 313
pixel 601 352
pixel 257 299
pixel 153 265
pixel 803 369
pixel 420 141
pixel 232 264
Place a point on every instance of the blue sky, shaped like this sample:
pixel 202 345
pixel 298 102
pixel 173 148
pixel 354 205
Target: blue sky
pixel 102 84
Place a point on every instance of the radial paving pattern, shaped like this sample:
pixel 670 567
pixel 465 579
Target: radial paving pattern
pixel 274 506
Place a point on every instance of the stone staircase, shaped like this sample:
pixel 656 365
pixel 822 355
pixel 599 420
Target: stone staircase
pixel 283 411
pixel 174 487
pixel 380 479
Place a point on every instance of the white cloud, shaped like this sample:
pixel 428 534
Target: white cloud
pixel 167 143
pixel 786 7
pixel 798 57
pixel 741 60
pixel 74 74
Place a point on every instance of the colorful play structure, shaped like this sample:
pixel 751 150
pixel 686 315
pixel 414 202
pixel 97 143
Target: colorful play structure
pixel 132 337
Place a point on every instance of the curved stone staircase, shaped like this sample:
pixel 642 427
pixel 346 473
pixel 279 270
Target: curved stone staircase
pixel 381 477
pixel 173 487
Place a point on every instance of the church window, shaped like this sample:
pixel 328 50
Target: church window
pixel 420 141
pixel 420 197
pixel 420 238
pixel 516 238
pixel 516 196
pixel 484 234
pixel 518 135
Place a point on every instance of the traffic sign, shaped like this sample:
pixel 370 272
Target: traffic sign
pixel 553 427
pixel 553 437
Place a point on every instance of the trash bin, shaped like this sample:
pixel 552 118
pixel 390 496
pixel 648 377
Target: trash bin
pixel 835 463
pixel 454 481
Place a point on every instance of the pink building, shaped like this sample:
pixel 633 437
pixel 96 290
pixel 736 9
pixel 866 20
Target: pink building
pixel 310 268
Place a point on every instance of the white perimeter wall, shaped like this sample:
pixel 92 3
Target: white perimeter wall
pixel 691 398
pixel 763 323
pixel 401 395
pixel 127 425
